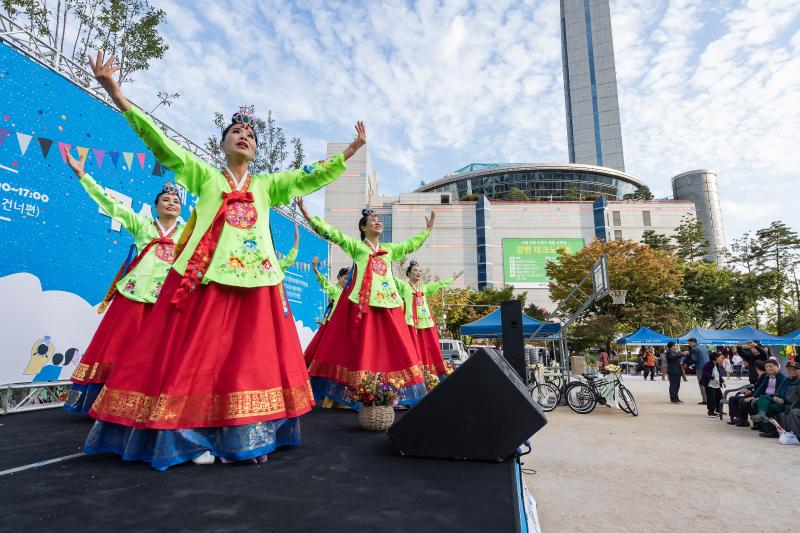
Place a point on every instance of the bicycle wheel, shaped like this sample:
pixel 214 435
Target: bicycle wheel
pixel 580 398
pixel 628 402
pixel 546 395
pixel 555 379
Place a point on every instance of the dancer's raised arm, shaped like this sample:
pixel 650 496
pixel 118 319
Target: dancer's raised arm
pixel 289 259
pixel 286 185
pixel 120 212
pixel 189 170
pixel 403 248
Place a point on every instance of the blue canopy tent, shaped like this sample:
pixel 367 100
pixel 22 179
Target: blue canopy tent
pixel 792 337
pixel 643 336
pixel 728 337
pixel 492 326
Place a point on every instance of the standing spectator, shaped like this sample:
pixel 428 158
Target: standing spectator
pixel 711 378
pixel 674 371
pixel 602 359
pixel 737 365
pixel 752 353
pixel 698 356
pixel 726 364
pixel 649 363
pixel 789 397
pixel 662 361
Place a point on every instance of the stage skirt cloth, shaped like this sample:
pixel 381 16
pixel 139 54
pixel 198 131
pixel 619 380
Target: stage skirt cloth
pixel 228 356
pixel 312 346
pixel 121 324
pixel 378 341
pixel 430 353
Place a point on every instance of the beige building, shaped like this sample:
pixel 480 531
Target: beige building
pixel 471 235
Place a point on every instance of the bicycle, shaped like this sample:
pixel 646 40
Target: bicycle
pixel 543 392
pixel 583 396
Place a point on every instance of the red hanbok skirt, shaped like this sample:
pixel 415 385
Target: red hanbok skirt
pixel 115 334
pixel 430 353
pixel 312 346
pixel 229 357
pixel 377 342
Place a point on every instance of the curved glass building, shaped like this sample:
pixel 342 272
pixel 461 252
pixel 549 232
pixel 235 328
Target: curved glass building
pixel 538 181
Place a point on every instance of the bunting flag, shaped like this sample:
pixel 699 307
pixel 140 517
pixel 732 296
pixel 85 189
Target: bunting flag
pixel 3 134
pixel 128 156
pixel 82 151
pixel 99 155
pixel 64 149
pixel 140 156
pixel 23 140
pixel 45 145
pixel 157 171
pixel 114 157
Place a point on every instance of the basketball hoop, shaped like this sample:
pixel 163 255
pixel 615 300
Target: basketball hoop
pixel 618 296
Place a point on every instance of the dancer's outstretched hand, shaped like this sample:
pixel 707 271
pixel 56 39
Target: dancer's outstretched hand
pixel 314 261
pixel 77 165
pixel 296 235
pixel 103 71
pixel 299 202
pixel 358 142
pixel 429 221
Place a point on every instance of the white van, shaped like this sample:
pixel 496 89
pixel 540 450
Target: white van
pixel 453 351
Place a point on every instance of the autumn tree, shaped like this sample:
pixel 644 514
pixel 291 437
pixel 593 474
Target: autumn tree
pixel 652 279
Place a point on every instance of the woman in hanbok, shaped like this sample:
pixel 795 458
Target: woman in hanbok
pixel 131 297
pixel 368 332
pixel 217 370
pixel 333 291
pixel 419 318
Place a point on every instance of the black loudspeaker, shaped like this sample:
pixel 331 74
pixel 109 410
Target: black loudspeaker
pixel 513 344
pixel 480 412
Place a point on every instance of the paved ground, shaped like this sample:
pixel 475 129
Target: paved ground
pixel 669 469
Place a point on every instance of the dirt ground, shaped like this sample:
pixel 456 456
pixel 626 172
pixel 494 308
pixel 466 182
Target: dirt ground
pixel 669 469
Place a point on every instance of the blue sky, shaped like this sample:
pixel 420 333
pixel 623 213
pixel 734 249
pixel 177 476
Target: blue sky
pixel 442 84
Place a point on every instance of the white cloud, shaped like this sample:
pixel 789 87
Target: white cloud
pixel 440 85
pixel 304 333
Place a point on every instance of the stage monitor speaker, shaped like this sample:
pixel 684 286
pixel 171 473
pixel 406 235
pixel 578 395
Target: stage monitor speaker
pixel 480 412
pixel 513 343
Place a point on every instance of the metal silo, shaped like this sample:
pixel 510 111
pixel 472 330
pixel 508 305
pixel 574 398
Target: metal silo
pixel 700 186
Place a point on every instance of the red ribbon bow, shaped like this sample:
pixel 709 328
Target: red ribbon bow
pixel 157 240
pixel 200 260
pixel 366 284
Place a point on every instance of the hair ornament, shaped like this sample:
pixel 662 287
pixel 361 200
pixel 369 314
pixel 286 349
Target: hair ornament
pixel 367 212
pixel 171 188
pixel 245 116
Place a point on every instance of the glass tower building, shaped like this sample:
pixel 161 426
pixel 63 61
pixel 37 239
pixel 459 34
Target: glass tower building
pixel 590 84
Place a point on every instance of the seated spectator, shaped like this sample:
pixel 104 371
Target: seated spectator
pixel 713 381
pixel 738 406
pixel 789 397
pixel 765 395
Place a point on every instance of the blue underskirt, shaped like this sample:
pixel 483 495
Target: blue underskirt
pixel 163 448
pixel 326 388
pixel 82 396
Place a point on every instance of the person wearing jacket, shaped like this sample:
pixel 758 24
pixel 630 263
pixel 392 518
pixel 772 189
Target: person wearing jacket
pixel 739 405
pixel 713 382
pixel 752 353
pixel 763 400
pixel 697 359
pixel 789 397
pixel 674 371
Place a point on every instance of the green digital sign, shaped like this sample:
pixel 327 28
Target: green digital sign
pixel 524 260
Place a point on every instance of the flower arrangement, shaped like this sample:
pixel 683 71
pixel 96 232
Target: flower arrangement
pixel 377 389
pixel 431 380
pixel 612 369
pixel 449 367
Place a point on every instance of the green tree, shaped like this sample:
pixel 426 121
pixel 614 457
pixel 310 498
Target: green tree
pixel 641 193
pixel 470 197
pixel 536 312
pixel 271 152
pixel 657 241
pixel 128 29
pixel 516 194
pixel 720 297
pixel 572 194
pixel 652 279
pixel 773 249
pixel 691 244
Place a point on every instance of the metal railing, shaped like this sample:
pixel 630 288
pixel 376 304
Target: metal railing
pixel 42 395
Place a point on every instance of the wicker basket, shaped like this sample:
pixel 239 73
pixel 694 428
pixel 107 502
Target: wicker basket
pixel 376 417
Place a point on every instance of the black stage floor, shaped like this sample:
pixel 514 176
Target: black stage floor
pixel 342 479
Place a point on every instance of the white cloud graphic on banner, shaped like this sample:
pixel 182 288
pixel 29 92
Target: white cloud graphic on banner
pixel 39 328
